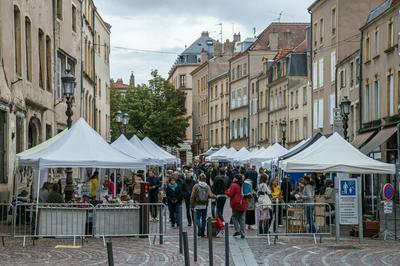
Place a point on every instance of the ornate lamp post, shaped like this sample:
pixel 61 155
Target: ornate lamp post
pixel 198 141
pixel 283 129
pixel 68 86
pixel 122 120
pixel 345 111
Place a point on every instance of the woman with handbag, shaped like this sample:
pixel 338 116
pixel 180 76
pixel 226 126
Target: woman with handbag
pixel 264 205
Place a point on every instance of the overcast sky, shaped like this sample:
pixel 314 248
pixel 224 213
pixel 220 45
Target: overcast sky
pixel 166 26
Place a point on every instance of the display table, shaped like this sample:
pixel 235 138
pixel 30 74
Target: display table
pixel 296 220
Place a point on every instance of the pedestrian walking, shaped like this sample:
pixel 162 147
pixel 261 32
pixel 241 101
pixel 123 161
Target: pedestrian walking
pixel 264 205
pixel 154 187
pixel 219 188
pixel 308 198
pixel 187 187
pixel 238 204
pixel 277 198
pixel 201 194
pixel 174 201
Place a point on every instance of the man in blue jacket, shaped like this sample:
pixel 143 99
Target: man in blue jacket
pixel 154 187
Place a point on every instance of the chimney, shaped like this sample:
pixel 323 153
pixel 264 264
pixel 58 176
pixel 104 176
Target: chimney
pixel 236 37
pixel 218 49
pixel 229 47
pixel 203 56
pixel 273 41
pixel 204 34
pixel 132 80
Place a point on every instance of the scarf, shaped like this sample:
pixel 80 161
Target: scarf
pixel 173 187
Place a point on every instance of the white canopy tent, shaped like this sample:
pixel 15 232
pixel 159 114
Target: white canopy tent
pixel 298 145
pixel 269 163
pixel 304 153
pixel 135 141
pixel 272 152
pixel 164 155
pixel 224 155
pixel 337 155
pixel 239 155
pixel 217 153
pixel 123 145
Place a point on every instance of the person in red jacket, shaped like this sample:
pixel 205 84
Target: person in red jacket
pixel 239 205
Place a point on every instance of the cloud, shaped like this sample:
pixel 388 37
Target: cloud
pixel 169 25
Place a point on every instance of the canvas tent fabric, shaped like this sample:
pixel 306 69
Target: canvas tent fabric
pixel 210 151
pixel 239 155
pixel 80 147
pixel 224 155
pixel 337 155
pixel 303 153
pixel 305 146
pixel 164 155
pixel 217 153
pixel 123 145
pixel 272 152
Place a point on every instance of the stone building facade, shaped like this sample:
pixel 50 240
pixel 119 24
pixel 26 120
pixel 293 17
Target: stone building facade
pixel 39 40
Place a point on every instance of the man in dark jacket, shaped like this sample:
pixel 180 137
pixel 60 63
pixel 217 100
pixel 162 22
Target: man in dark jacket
pixel 154 187
pixel 252 175
pixel 55 196
pixel 218 188
pixel 187 187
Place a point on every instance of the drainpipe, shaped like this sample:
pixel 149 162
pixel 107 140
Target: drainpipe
pixel 336 86
pixel 258 111
pixel 81 76
pixel 55 65
pixel 229 105
pixel 208 105
pixel 360 83
pixel 248 100
pixel 311 72
pixel 94 70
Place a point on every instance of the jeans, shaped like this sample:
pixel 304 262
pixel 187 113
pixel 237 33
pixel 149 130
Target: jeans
pixel 188 211
pixel 201 219
pixel 238 221
pixel 310 218
pixel 174 213
pixel 218 205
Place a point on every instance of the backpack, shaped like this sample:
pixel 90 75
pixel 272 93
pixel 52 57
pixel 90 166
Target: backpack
pixel 247 188
pixel 202 194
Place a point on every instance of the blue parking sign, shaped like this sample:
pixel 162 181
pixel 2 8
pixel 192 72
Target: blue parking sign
pixel 348 187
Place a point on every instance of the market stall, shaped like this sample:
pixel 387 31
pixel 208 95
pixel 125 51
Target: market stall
pixel 239 155
pixel 164 155
pixel 215 154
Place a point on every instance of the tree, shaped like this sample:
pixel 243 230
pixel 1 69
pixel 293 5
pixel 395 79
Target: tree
pixel 156 111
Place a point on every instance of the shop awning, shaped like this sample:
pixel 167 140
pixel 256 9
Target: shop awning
pixel 360 139
pixel 378 140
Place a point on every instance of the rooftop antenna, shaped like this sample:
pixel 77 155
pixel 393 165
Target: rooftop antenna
pixel 254 32
pixel 280 16
pixel 220 30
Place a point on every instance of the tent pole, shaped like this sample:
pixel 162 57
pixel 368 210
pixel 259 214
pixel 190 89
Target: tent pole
pixel 37 201
pixel 115 183
pixel 337 213
pixel 360 212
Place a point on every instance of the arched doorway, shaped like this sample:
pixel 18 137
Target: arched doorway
pixel 34 132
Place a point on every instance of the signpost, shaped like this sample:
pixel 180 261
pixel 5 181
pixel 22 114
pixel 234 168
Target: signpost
pixel 388 194
pixel 348 202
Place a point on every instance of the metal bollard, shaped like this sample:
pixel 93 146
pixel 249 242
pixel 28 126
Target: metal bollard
pixel 161 225
pixel 186 248
pixel 194 236
pixel 110 254
pixel 210 242
pixel 227 244
pixel 180 230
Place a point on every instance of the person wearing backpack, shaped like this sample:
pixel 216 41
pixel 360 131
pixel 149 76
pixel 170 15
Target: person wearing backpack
pixel 239 205
pixel 201 193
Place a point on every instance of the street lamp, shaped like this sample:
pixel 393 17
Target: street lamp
pixel 68 86
pixel 122 120
pixel 283 129
pixel 198 141
pixel 345 111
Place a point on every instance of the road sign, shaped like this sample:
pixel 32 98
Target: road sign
pixel 388 191
pixel 348 207
pixel 388 207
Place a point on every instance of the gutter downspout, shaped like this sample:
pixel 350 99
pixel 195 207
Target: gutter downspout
pixel 311 72
pixel 54 65
pixel 208 104
pixel 229 104
pixel 248 100
pixel 258 111
pixel 360 83
pixel 94 71
pixel 336 86
pixel 81 76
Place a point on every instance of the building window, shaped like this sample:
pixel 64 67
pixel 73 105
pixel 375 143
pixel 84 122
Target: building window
pixel 305 127
pixel 3 146
pixel 291 99
pixel 321 73
pixel 333 66
pixel 315 34
pixel 318 114
pixel 291 132
pixel 357 71
pixel 351 74
pixel 74 18
pixel 48 64
pixel 245 133
pixel 211 114
pixel 315 76
pixel 49 132
pixel 332 102
pixel 244 69
pixel 297 99
pixel 367 51
pixel 391 95
pixel 28 49
pixel 321 30
pixel 17 41
pixel 182 81
pixel 342 78
pixel 19 133
pixel 390 33
pixel 367 102
pixel 98 44
pixel 41 59
pixel 376 42
pixel 333 20
pixel 377 89
pixel 59 9
pixel 305 95
pixel 296 130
